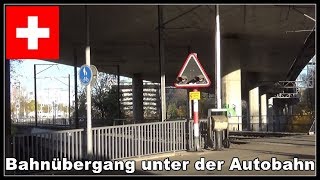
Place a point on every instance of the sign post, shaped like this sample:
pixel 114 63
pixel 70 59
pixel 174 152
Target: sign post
pixel 196 122
pixel 85 76
pixel 192 75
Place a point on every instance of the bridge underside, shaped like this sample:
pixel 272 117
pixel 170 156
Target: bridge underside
pixel 258 39
pixel 260 45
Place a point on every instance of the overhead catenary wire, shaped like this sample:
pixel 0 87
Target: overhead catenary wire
pixel 304 14
pixel 180 15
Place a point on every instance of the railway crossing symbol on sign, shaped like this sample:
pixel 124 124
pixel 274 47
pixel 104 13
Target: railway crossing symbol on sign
pixel 192 74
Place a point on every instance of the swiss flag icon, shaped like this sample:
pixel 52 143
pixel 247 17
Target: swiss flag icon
pixel 32 32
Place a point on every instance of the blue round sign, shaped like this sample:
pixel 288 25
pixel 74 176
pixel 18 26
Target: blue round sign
pixel 85 75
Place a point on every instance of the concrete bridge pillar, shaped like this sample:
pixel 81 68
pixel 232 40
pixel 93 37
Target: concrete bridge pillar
pixel 270 115
pixel 279 111
pixel 231 72
pixel 231 99
pixel 290 112
pixel 263 113
pixel 254 108
pixel 137 95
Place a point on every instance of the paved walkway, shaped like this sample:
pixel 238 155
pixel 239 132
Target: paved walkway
pixel 245 148
pixel 284 148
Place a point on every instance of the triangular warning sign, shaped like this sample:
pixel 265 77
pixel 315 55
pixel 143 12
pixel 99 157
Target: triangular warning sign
pixel 192 74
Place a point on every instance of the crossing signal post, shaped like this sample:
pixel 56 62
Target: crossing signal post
pixel 193 76
pixel 217 119
pixel 195 97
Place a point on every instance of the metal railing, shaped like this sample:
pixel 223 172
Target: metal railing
pixel 48 145
pixel 111 142
pixel 275 123
pixel 126 141
pixel 42 122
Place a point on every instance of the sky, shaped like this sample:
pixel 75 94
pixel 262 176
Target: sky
pixel 48 78
pixel 52 81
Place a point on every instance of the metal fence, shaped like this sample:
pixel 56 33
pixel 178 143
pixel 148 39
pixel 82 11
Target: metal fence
pixel 268 123
pixel 42 122
pixel 271 127
pixel 118 142
pixel 109 143
pixel 126 141
pixel 48 145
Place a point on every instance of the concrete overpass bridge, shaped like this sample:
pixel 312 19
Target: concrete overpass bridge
pixel 260 45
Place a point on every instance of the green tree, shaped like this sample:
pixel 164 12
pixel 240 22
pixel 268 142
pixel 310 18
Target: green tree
pixel 172 111
pixel 105 97
pixel 45 108
pixel 206 102
pixel 104 100
pixel 30 106
pixel 305 108
pixel 176 100
pixel 81 105
pixel 181 112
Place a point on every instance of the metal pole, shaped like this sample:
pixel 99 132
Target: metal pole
pixel 19 99
pixel 217 54
pixel 196 124
pixel 89 131
pixel 35 95
pixel 53 109
pixel 76 90
pixel 218 140
pixel 118 91
pixel 69 100
pixel 188 91
pixel 190 105
pixel 162 61
pixel 8 137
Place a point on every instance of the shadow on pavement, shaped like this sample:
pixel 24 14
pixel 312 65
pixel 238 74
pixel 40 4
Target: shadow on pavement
pixel 293 155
